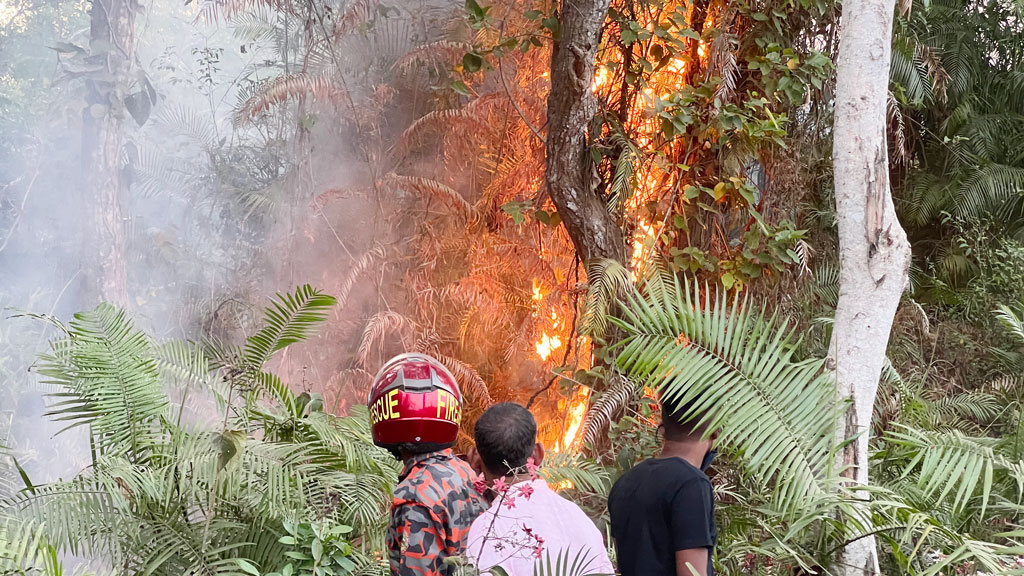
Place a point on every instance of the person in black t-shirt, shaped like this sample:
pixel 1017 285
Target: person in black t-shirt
pixel 663 510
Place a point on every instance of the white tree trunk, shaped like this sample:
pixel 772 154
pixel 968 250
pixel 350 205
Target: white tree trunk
pixel 873 250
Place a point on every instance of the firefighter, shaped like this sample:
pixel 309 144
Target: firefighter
pixel 415 410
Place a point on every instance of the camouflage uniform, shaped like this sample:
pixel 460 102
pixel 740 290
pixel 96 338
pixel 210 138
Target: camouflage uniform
pixel 433 507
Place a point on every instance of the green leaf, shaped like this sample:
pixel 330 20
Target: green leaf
pixel 728 280
pixel 532 14
pixel 475 10
pixel 472 62
pixel 318 550
pixel 247 566
pixel 460 87
pixel 719 191
pixel 552 24
pixel 516 210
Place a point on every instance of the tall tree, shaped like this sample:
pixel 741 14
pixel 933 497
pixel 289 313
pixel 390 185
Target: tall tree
pixel 571 175
pixel 873 250
pixel 112 45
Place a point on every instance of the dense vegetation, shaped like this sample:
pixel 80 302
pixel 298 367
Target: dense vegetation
pixel 394 155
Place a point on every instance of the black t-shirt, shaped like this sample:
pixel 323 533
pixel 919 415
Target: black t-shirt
pixel 660 506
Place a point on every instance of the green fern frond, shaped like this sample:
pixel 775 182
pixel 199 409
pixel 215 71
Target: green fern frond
pixel 948 463
pixel 737 368
pixel 108 380
pixel 289 319
pixel 607 281
pixel 1013 322
pixel 584 474
pixel 826 283
pixel 624 181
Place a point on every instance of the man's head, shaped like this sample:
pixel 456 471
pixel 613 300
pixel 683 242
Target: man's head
pixel 506 437
pixel 684 425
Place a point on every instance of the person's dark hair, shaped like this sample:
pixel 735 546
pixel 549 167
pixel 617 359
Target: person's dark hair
pixel 678 426
pixel 505 435
pixel 419 448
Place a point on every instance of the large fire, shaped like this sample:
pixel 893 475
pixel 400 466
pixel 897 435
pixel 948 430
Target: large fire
pixel 653 180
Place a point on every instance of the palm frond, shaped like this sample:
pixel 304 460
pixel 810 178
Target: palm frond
pixel 948 463
pixel 472 115
pixel 624 181
pixel 737 368
pixel 470 381
pixel 607 281
pixel 582 563
pixel 442 54
pixel 1013 322
pixel 283 89
pixel 356 17
pixel 609 401
pixel 380 324
pixel 826 283
pixel 433 189
pixel 359 267
pixel 108 380
pixel 289 319
pixel 582 473
pixel 989 190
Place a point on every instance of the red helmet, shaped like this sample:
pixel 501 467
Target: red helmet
pixel 414 399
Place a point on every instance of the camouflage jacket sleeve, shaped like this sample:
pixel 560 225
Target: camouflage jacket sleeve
pixel 415 542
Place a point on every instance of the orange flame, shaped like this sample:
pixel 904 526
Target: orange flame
pixel 548 344
pixel 643 244
pixel 574 417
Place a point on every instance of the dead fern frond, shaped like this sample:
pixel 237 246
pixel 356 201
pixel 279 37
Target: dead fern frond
pixel 441 53
pixel 471 116
pixel 355 379
pixel 804 253
pixel 936 71
pixel 726 88
pixel 722 64
pixel 357 17
pixel 469 380
pixel 899 135
pixel 433 188
pixel 608 403
pixel 374 256
pixel 283 89
pixel 380 324
pixel 212 11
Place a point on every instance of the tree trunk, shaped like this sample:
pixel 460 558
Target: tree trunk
pixel 571 175
pixel 111 41
pixel 873 250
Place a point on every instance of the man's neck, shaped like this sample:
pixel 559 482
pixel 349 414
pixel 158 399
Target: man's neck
pixel 692 452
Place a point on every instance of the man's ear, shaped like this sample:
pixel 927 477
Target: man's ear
pixel 538 454
pixel 475 461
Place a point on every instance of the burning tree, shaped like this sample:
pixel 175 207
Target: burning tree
pixel 685 111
